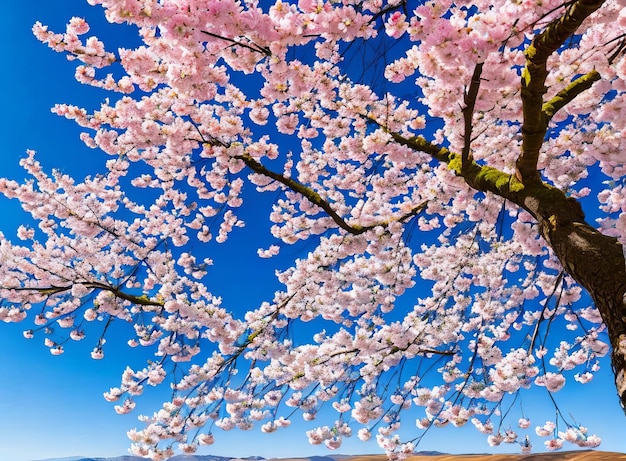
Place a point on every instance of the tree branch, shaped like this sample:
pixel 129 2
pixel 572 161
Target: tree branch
pixel 316 199
pixel 256 48
pixel 307 192
pixel 534 76
pixel 468 111
pixel 480 177
pixel 565 96
pixel 141 300
pixel 596 261
pixel 420 144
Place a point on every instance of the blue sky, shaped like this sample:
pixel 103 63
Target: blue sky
pixel 53 406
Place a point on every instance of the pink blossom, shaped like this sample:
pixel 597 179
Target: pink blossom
pixel 396 25
pixel 546 430
pixel 554 444
pixel 97 354
pixel 223 101
pixel 495 439
pixel 552 381
pixel 40 319
pixel 333 443
pixel 206 439
pixel 126 407
pixel 56 350
pixel 364 434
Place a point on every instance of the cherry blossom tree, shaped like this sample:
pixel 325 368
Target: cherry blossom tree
pixel 437 157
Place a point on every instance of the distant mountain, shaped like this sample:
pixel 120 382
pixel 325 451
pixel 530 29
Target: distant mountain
pixel 222 458
pixel 138 458
pixel 116 458
pixel 247 458
pixel 321 458
pixel 197 458
pixel 333 457
pixel 582 455
pixel 69 458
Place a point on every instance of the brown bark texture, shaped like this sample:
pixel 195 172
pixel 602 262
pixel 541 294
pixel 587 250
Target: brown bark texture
pixel 594 260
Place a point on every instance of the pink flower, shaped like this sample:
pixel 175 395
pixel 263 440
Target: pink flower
pixel 187 447
pixel 90 314
pixel 78 26
pixel 97 353
pixel 66 322
pixel 126 407
pixel 364 434
pixel 333 443
pixel 206 439
pixel 546 430
pixel 396 25
pixel 77 335
pixel 40 319
pixel 57 350
pixel 554 444
pixel 552 381
pixel 25 233
pixel 495 439
pixel 113 395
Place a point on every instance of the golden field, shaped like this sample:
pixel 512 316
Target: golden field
pixel 582 455
pixel 587 455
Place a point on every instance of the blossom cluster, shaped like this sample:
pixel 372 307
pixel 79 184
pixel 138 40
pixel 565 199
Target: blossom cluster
pixel 407 267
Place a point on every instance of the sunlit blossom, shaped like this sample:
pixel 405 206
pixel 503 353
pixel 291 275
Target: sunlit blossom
pixel 415 264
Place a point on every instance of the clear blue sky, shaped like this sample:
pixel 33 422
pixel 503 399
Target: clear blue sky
pixel 53 406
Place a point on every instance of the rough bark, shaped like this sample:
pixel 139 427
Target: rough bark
pixel 594 260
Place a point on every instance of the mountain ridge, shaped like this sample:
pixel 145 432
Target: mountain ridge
pixel 577 455
pixel 333 457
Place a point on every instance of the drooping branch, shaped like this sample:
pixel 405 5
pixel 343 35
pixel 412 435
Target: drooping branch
pixel 307 192
pixel 534 76
pixel 316 199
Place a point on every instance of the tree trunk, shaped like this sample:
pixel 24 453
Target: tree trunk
pixel 594 260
